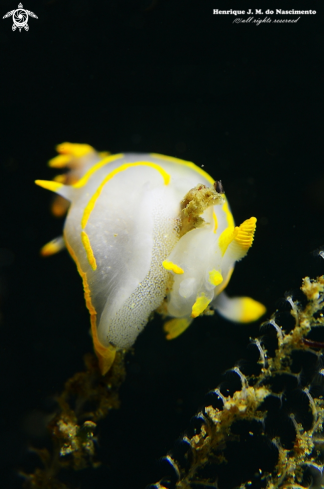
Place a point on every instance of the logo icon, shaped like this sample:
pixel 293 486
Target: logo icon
pixel 20 18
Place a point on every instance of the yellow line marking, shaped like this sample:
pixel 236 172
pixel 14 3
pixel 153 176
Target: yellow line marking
pixel 225 282
pixel 92 202
pixel 225 239
pixel 87 293
pixel 105 355
pixel 215 221
pixel 87 246
pixel 229 215
pixel 189 164
pixel 80 183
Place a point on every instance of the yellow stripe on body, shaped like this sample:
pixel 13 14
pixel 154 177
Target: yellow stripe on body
pixel 215 221
pixel 80 183
pixel 225 239
pixel 92 202
pixel 105 355
pixel 189 164
pixel 225 282
pixel 87 246
pixel 229 215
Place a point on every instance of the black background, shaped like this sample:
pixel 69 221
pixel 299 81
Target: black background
pixel 160 76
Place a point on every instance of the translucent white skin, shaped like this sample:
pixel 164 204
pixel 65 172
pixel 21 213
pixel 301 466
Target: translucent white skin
pixel 132 229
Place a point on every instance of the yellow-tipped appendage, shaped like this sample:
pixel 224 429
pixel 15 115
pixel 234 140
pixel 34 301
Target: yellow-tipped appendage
pixel 76 150
pixel 59 161
pixel 172 267
pixel 252 310
pixel 49 185
pixel 53 247
pixel 69 152
pixel 200 305
pixel 175 327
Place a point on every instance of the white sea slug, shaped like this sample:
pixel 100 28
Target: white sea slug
pixel 147 232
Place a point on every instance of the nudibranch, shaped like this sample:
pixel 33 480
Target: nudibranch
pixel 147 233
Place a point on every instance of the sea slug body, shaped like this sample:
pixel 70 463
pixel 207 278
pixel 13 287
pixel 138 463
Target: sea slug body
pixel 147 232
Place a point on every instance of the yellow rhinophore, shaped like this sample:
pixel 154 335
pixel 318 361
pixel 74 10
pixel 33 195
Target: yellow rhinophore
pixel 242 235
